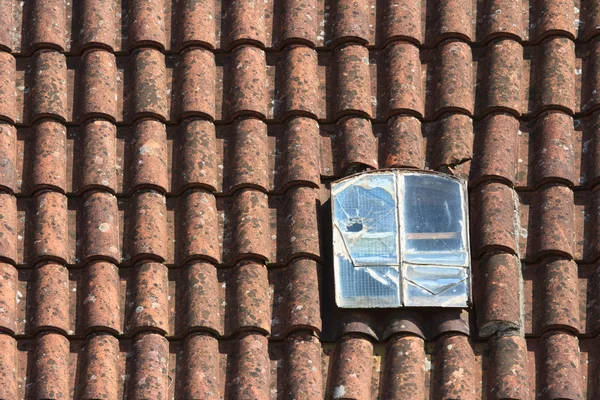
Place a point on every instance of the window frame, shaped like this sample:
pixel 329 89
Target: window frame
pixel 399 175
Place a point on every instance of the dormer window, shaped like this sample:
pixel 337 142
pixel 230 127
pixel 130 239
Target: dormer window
pixel 400 239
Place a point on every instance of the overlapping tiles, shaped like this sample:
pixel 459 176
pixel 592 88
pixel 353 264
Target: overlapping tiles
pixel 166 172
pixel 123 25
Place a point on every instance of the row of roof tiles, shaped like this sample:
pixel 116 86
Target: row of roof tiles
pixel 196 224
pixel 502 76
pixel 557 294
pixel 274 228
pixel 122 25
pixel 557 365
pixel 248 153
pixel 149 297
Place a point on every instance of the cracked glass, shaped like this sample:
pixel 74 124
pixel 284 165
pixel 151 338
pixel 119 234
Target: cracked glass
pixel 366 241
pixel 400 239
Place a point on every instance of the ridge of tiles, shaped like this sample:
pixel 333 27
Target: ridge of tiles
pixel 161 188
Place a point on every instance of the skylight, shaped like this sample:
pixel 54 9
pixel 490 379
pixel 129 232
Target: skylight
pixel 400 238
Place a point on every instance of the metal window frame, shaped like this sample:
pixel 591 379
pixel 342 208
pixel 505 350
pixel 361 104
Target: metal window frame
pixel 338 186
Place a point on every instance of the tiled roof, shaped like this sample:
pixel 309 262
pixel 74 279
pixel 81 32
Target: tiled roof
pixel 164 195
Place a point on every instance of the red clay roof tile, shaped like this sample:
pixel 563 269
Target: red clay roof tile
pixel 164 195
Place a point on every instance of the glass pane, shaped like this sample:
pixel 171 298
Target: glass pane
pixel 366 287
pixel 365 216
pixel 434 220
pixel 435 286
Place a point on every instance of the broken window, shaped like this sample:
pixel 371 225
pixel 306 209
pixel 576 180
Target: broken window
pixel 400 239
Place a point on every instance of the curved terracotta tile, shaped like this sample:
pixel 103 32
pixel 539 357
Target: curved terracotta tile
pixel 402 20
pixel 553 17
pixel 8 299
pixel 100 369
pixel 302 376
pixel 249 291
pixel 99 24
pixel 48 95
pixel 353 81
pixel 95 165
pixel 196 150
pixel 250 366
pixel 493 219
pixel 351 372
pixel 8 95
pixel 404 369
pixel 199 299
pixel 301 298
pixel 495 145
pixel 6 27
pixel 355 144
pixel 559 293
pixel 553 153
pixel 100 298
pixel 299 22
pixel 453 374
pixel 48 157
pixel 455 19
pixel 98 85
pixel 553 76
pixel 8 158
pixel 403 144
pixel 50 309
pixel 250 225
pixel 195 84
pixel 49 228
pixel 8 367
pixel 195 23
pixel 51 372
pixel 244 21
pixel 297 224
pixel 149 299
pixel 301 164
pixel 146 92
pixel 559 367
pixel 453 142
pixel 451 88
pixel 403 86
pixel 47 24
pixel 149 373
pixel 248 159
pixel 146 226
pixel 148 156
pixel 350 22
pixel 298 90
pixel 198 236
pixel 245 90
pixel 502 18
pixel 199 368
pixel 507 374
pixel 8 228
pixel 550 223
pixel 302 372
pixel 99 226
pixel 498 294
pixel 146 23
pixel 500 83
